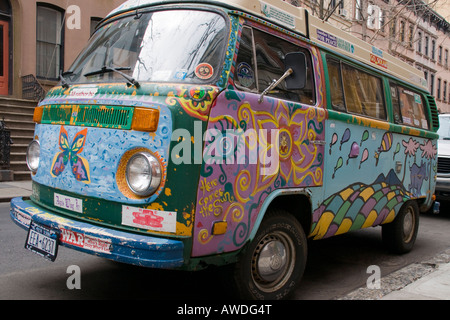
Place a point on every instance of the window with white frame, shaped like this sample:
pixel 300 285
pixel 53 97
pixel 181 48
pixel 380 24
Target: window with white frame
pixel 49 48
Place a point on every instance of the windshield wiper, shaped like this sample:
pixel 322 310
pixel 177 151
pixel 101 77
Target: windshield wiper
pixel 106 69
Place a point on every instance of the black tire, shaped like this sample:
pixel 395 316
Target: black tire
pixel 400 235
pixel 273 263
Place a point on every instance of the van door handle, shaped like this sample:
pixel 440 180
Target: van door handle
pixel 319 142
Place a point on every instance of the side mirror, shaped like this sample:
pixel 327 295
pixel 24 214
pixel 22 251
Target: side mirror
pixel 297 62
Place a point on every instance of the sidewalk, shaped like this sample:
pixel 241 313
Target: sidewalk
pixel 427 280
pixel 12 189
pixel 434 286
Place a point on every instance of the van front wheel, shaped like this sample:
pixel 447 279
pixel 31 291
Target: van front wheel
pixel 273 263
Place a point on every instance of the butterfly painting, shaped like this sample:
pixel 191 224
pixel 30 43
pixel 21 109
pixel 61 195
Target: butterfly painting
pixel 79 165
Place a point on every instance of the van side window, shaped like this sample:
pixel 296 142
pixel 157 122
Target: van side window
pixel 355 91
pixel 245 71
pixel 363 93
pixel 337 92
pixel 269 52
pixel 408 107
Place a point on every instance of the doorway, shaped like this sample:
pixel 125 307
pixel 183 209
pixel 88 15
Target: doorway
pixel 4 57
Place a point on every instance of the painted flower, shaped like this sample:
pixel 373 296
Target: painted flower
pixel 411 146
pixel 428 150
pixel 296 152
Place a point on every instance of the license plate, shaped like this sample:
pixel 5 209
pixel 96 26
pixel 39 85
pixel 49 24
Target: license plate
pixel 42 240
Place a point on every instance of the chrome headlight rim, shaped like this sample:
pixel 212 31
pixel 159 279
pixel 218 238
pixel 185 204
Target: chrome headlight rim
pixel 30 160
pixel 154 172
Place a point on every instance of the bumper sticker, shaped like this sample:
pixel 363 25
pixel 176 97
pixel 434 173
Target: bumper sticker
pixel 84 241
pixel 149 219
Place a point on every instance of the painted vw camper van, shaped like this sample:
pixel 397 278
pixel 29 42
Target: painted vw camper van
pixel 195 133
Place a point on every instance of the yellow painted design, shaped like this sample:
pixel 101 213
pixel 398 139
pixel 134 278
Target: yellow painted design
pixel 323 225
pixel 390 217
pixel 345 226
pixel 370 219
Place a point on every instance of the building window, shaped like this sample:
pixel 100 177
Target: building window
pixel 49 49
pixel 446 58
pixel 432 84
pixel 402 31
pixel 393 29
pixel 94 24
pixel 433 49
pixel 438 92
pixel 440 55
pixel 419 42
pixel 358 10
pixel 444 92
pixel 411 36
pixel 426 45
pixel 382 20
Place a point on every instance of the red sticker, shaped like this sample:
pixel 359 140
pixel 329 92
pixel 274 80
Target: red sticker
pixel 204 71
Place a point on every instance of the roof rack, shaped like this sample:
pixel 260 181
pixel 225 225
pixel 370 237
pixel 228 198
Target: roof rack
pixel 299 20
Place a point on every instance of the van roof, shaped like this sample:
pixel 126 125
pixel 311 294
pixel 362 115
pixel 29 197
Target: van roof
pixel 318 31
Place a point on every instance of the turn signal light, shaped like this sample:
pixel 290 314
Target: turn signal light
pixel 38 112
pixel 219 227
pixel 145 119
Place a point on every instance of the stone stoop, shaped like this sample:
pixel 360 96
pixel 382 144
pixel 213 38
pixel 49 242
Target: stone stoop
pixel 18 117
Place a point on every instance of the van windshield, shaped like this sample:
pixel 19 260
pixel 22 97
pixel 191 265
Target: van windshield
pixel 184 46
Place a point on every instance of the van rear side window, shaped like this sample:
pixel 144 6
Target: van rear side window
pixel 408 107
pixel 356 91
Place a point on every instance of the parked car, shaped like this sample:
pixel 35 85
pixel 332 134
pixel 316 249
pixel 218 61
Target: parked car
pixel 443 167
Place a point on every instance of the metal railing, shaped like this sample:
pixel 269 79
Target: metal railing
pixel 5 146
pixel 31 88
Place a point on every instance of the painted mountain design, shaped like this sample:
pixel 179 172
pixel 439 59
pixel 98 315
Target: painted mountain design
pixel 359 206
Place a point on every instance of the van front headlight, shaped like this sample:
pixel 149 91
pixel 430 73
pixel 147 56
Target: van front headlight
pixel 143 174
pixel 33 155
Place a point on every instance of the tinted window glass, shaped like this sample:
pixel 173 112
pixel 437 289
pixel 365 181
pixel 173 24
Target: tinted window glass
pixel 355 91
pixel 363 93
pixel 408 107
pixel 337 93
pixel 269 52
pixel 245 76
pixel 184 46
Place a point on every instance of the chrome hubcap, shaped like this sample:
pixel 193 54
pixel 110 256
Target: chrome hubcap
pixel 273 261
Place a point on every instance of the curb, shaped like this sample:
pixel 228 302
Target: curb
pixel 397 281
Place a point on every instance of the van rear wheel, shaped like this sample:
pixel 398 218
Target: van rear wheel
pixel 273 263
pixel 400 235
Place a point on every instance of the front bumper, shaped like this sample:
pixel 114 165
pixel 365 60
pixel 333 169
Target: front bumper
pixel 146 251
pixel 442 191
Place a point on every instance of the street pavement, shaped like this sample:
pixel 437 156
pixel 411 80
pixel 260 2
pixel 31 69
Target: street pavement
pixel 427 280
